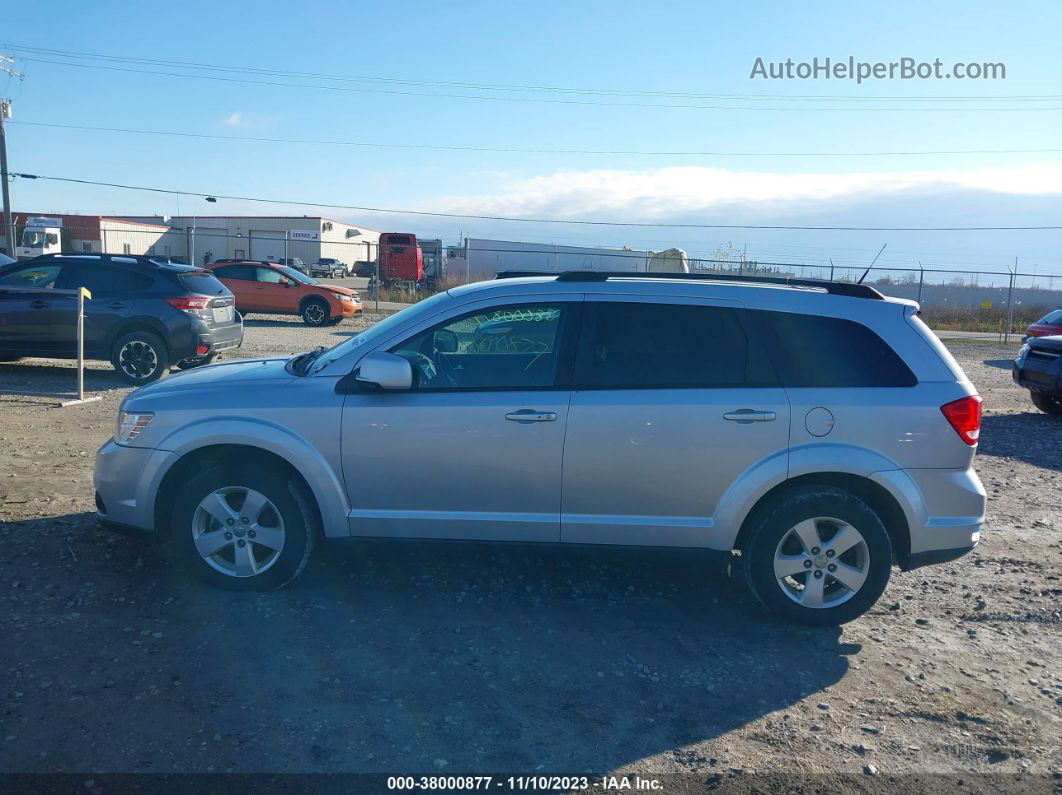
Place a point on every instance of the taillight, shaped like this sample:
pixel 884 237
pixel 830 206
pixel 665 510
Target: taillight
pixel 964 415
pixel 189 303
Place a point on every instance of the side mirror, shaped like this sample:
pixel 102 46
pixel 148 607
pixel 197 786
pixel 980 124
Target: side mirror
pixel 386 371
pixel 445 341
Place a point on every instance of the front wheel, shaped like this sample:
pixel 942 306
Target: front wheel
pixel 819 556
pixel 315 312
pixel 1048 404
pixel 242 528
pixel 140 357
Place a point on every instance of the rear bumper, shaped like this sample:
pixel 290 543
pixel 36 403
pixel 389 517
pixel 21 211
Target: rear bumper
pixel 222 338
pixel 945 511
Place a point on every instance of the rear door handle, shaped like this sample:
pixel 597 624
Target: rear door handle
pixel 749 415
pixel 530 415
pixel 38 304
pixel 117 305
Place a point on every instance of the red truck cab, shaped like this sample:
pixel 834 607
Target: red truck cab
pixel 401 259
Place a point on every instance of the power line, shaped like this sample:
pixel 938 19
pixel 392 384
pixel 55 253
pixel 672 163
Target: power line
pixel 537 100
pixel 511 87
pixel 517 150
pixel 472 216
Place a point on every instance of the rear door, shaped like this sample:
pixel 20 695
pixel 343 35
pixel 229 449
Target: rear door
pixel 114 289
pixel 26 317
pixel 240 279
pixel 672 401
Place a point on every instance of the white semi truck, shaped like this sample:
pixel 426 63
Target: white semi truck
pixel 41 236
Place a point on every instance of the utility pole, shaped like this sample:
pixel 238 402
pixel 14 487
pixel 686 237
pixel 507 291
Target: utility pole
pixel 5 113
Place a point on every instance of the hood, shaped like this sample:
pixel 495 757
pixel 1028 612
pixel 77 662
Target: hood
pixel 338 290
pixel 240 374
pixel 1053 343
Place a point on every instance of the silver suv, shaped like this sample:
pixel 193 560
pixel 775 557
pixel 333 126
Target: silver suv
pixel 814 433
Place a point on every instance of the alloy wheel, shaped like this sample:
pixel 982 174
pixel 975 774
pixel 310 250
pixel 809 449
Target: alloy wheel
pixel 238 531
pixel 821 562
pixel 138 359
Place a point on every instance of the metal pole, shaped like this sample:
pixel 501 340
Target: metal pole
pixel 468 265
pixel 80 344
pixel 287 235
pixel 1010 304
pixel 831 269
pixel 191 245
pixel 921 279
pixel 9 222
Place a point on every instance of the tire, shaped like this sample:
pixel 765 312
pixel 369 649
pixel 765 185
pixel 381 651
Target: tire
pixel 315 312
pixel 820 516
pixel 191 363
pixel 1048 404
pixel 140 357
pixel 243 561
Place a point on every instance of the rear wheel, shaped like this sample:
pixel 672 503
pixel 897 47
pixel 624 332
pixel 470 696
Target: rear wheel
pixel 140 357
pixel 242 528
pixel 1048 404
pixel 315 312
pixel 818 556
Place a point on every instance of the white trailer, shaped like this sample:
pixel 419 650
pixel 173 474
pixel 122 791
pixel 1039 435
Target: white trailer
pixel 484 259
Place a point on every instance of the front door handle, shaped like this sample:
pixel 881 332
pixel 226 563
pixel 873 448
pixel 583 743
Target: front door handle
pixel 530 415
pixel 38 304
pixel 749 415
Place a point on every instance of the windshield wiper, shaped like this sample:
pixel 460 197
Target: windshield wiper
pixel 300 365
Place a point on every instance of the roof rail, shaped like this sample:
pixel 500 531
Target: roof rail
pixel 121 259
pixel 834 288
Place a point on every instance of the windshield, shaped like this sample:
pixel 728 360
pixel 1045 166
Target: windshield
pixel 383 329
pixel 32 239
pixel 298 276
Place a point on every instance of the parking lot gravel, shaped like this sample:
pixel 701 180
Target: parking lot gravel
pixel 411 658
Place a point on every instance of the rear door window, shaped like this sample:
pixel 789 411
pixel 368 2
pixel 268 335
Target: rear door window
pixel 815 351
pixel 105 280
pixel 628 345
pixel 239 272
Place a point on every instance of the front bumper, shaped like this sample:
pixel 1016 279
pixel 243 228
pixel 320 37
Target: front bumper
pixel 126 480
pixel 1038 374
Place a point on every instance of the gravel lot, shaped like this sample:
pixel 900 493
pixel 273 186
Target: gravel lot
pixel 463 658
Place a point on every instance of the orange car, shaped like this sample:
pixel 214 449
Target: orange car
pixel 277 289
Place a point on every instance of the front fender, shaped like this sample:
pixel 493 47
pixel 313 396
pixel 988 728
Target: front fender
pixel 320 475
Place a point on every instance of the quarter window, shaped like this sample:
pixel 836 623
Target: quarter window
pixel 512 347
pixel 814 351
pixel 646 346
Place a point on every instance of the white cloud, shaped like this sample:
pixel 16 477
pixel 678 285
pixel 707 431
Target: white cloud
pixel 233 120
pixel 674 191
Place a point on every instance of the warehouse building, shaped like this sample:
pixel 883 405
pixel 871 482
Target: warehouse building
pixel 101 233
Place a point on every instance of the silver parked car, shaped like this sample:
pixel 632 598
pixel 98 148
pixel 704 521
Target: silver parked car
pixel 814 433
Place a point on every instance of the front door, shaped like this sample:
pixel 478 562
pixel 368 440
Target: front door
pixel 671 403
pixel 474 449
pixel 26 309
pixel 271 292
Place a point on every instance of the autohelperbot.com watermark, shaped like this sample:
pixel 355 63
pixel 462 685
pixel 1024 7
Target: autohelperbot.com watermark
pixel 849 68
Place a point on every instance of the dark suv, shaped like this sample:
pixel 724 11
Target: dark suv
pixel 1038 368
pixel 144 316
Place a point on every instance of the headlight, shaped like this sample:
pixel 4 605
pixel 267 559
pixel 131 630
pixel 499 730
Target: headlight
pixel 347 298
pixel 1024 350
pixel 128 425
